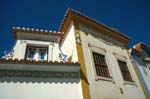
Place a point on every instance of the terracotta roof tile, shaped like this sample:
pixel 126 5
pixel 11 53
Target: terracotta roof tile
pixel 138 46
pixel 69 10
pixel 35 31
pixel 23 61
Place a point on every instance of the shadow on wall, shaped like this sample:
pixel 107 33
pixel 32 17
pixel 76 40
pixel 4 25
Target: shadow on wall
pixel 37 80
pixel 83 77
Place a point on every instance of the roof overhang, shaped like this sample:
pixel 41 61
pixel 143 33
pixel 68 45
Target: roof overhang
pixel 36 34
pixel 75 16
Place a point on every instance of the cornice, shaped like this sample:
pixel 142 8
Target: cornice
pixel 77 16
pixel 35 31
pixel 38 74
pixel 38 69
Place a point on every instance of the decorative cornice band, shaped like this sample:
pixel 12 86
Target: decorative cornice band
pixel 38 74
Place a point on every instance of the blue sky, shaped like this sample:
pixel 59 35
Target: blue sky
pixel 131 17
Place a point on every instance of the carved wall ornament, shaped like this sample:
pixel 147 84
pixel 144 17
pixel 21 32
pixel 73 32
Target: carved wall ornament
pixel 78 38
pixel 93 45
pixel 38 74
pixel 120 57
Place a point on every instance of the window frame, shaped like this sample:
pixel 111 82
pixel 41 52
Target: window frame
pixel 33 50
pixel 101 62
pixel 100 51
pixel 124 59
pixel 127 71
pixel 36 47
pixel 39 56
pixel 42 55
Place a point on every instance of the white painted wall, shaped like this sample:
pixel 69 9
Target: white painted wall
pixel 42 90
pixel 51 89
pixel 69 45
pixel 108 89
pixel 20 49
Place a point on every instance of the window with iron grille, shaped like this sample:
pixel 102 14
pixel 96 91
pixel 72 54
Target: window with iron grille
pixel 100 65
pixel 125 71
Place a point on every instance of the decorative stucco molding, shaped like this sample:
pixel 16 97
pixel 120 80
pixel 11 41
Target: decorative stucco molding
pixel 93 45
pixel 120 57
pixel 38 74
pixel 78 38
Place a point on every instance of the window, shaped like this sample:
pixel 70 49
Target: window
pixel 42 53
pixel 100 65
pixel 36 53
pixel 125 71
pixel 148 66
pixel 31 53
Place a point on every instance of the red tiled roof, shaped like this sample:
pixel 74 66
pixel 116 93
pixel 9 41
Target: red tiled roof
pixel 138 46
pixel 23 61
pixel 72 11
pixel 35 31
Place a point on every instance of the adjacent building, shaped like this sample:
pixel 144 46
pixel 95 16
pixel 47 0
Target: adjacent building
pixel 141 57
pixel 84 60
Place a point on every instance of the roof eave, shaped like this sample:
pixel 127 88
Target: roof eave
pixel 76 13
pixel 36 31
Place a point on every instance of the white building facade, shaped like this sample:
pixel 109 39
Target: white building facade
pixel 34 69
pixel 85 60
pixel 106 68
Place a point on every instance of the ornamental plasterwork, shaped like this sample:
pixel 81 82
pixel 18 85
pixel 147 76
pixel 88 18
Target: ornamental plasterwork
pixel 38 74
pixel 9 54
pixel 23 41
pixel 78 38
pixel 101 37
pixel 93 45
pixel 120 56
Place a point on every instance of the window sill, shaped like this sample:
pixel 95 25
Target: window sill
pixel 30 59
pixel 129 83
pixel 105 79
pixel 42 59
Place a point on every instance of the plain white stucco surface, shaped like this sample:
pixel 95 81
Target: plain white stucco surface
pixel 40 90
